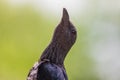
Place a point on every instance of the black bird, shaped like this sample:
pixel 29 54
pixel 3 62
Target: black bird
pixel 50 66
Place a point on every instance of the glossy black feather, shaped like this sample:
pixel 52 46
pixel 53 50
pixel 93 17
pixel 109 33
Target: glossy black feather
pixel 51 71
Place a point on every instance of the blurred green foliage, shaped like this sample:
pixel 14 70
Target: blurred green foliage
pixel 25 33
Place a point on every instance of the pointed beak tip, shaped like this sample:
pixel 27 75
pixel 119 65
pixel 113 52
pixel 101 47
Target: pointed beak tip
pixel 65 13
pixel 65 10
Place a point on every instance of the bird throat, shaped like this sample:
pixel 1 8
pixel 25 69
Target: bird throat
pixel 55 53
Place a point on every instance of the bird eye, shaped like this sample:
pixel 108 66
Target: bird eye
pixel 73 31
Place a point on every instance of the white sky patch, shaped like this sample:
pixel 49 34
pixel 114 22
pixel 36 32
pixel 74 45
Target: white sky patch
pixel 56 5
pixel 53 6
pixel 106 51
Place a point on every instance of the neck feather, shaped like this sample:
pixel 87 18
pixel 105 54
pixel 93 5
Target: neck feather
pixel 55 53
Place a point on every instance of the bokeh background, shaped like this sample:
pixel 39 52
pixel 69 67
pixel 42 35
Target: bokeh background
pixel 27 26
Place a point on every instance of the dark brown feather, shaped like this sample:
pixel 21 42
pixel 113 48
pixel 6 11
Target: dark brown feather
pixel 51 63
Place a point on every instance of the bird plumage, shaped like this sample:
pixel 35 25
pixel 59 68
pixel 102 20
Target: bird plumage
pixel 51 63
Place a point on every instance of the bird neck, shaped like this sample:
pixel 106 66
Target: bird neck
pixel 55 53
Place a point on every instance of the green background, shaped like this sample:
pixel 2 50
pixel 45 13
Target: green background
pixel 25 33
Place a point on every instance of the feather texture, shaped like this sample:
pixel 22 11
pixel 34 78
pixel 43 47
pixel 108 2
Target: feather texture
pixel 51 63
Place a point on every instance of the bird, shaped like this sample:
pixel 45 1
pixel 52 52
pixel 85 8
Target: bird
pixel 50 65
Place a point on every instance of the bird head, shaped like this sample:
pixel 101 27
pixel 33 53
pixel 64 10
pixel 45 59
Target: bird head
pixel 65 33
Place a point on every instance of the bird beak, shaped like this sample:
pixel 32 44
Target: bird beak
pixel 65 17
